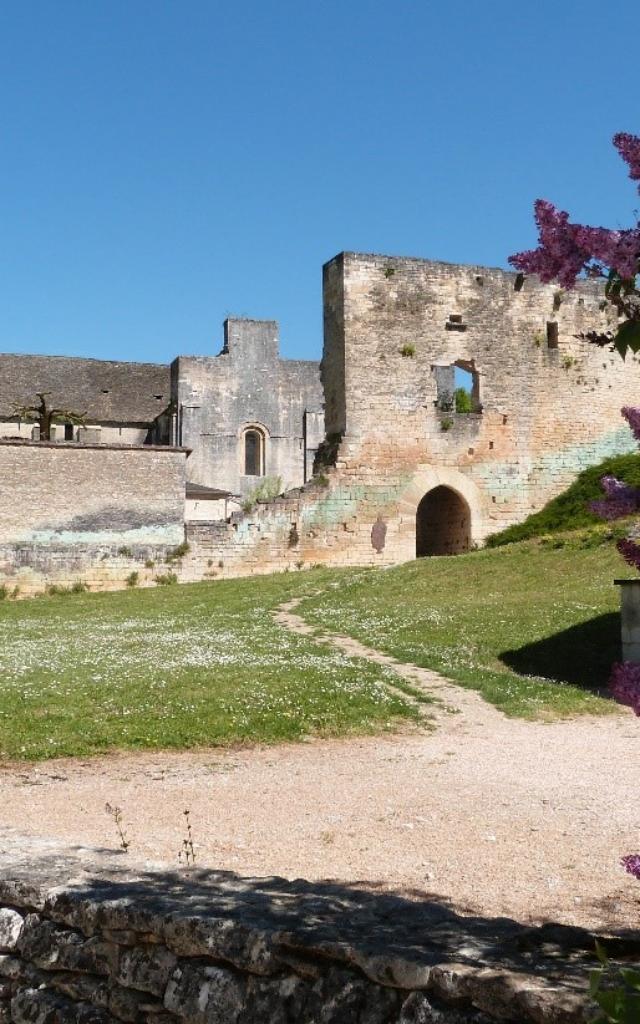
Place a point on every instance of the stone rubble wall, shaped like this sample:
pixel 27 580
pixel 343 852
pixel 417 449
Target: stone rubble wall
pixel 86 939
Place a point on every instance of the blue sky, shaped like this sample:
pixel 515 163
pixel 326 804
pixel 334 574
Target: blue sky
pixel 165 164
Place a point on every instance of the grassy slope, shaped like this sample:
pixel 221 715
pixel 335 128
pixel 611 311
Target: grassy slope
pixel 534 630
pixel 570 510
pixel 491 617
pixel 176 667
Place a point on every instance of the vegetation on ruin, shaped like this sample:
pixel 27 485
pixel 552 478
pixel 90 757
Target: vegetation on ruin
pixel 268 489
pixel 178 667
pixel 571 509
pixel 463 401
pixel 535 630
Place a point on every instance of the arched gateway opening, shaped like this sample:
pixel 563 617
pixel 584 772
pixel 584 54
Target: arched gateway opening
pixel 443 523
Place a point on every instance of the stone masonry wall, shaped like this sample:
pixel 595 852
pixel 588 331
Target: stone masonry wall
pixel 77 512
pixel 248 384
pixel 85 938
pixel 550 402
pixel 548 407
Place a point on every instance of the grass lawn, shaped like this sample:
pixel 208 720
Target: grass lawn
pixel 534 629
pixel 177 667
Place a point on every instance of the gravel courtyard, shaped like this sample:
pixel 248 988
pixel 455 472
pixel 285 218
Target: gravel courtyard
pixel 490 814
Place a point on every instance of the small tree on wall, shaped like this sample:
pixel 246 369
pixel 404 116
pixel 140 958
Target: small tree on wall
pixel 46 416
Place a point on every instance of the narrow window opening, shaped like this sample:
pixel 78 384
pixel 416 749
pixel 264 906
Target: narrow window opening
pixel 552 334
pixel 253 453
pixel 68 431
pixel 458 387
pixel 518 284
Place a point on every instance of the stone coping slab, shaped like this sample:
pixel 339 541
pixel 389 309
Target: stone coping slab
pixel 420 952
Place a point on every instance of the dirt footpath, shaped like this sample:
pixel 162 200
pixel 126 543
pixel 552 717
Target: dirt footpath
pixel 493 815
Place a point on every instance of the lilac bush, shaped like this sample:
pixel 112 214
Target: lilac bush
pixel 624 684
pixel 567 250
pixel 631 863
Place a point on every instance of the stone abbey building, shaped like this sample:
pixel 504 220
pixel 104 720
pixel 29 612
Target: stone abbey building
pixel 375 462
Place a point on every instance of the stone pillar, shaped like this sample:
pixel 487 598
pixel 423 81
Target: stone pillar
pixel 630 618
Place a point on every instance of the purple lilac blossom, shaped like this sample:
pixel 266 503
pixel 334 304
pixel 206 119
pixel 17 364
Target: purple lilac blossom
pixel 628 147
pixel 632 416
pixel 624 683
pixel 613 508
pixel 620 499
pixel 631 863
pixel 565 249
pixel 629 551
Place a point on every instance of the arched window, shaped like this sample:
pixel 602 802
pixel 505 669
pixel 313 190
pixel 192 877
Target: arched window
pixel 253 452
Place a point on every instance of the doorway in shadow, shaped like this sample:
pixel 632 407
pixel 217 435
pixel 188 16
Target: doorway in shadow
pixel 443 523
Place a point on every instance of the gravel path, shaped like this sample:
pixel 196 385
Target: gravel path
pixel 490 814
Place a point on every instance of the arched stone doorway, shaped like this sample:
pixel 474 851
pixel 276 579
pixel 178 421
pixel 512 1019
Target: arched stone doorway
pixel 443 523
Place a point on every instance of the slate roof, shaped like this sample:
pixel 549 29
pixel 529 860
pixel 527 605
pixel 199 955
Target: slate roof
pixel 198 492
pixel 108 392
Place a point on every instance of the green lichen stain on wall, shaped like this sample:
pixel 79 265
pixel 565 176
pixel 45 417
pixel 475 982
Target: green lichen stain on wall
pixel 345 501
pixel 146 535
pixel 553 471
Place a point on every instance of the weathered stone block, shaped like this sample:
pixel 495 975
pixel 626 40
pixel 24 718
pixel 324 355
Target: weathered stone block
pixel 146 969
pixel 205 995
pixel 229 940
pixel 52 948
pixel 11 925
pixel 33 1006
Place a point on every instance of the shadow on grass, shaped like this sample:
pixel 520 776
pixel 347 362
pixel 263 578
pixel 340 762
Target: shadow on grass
pixel 581 655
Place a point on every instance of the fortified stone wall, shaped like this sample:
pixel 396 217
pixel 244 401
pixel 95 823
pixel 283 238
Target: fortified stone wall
pixel 71 512
pixel 548 404
pixel 219 397
pixel 401 472
pixel 86 939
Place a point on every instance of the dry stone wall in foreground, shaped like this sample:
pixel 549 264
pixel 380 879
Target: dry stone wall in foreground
pixel 87 939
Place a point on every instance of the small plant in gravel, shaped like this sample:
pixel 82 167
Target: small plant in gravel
pixel 620 999
pixel 115 813
pixel 187 853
